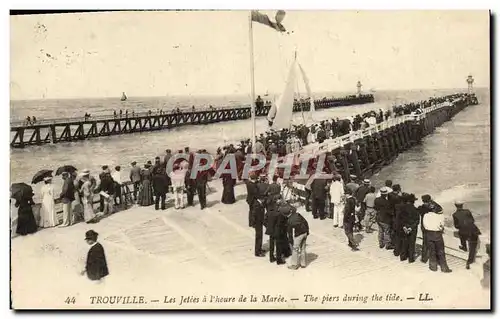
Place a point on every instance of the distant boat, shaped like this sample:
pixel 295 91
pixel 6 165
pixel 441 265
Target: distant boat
pixel 267 93
pixel 124 97
pixel 373 90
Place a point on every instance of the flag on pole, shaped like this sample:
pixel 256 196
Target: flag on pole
pixel 264 19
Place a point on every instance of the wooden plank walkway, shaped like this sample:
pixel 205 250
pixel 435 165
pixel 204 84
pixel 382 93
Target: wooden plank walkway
pixel 216 244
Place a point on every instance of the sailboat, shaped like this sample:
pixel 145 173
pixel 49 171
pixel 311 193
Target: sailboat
pixel 281 113
pixel 124 97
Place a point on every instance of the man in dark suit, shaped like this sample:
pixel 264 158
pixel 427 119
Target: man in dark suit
pixel 396 201
pixel 201 183
pixel 135 177
pixel 409 218
pixel 190 188
pixel 275 228
pixel 160 185
pixel 101 198
pixel 96 266
pixel 385 212
pixel 350 219
pixel 467 231
pixel 251 184
pixel 318 195
pixel 255 200
pixel 67 197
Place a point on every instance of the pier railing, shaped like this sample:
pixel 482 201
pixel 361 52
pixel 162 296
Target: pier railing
pixel 260 111
pixel 90 119
pixel 369 131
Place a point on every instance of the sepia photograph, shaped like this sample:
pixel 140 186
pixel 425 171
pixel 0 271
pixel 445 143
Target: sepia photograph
pixel 250 159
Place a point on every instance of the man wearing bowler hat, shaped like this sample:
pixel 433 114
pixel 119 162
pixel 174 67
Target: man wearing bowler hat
pixel 96 267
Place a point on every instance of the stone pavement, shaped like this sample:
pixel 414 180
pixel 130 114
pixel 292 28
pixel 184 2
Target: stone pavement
pixel 193 252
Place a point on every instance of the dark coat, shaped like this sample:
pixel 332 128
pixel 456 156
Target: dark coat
pixel 107 185
pixel 361 193
pixel 349 211
pixel 385 210
pixel 252 192
pixel 297 223
pixel 96 267
pixel 464 222
pixel 318 188
pixel 409 216
pixel 160 182
pixel 68 190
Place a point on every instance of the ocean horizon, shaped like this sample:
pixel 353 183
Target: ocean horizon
pixel 76 107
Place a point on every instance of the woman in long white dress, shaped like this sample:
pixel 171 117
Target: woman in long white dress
pixel 48 209
pixel 87 191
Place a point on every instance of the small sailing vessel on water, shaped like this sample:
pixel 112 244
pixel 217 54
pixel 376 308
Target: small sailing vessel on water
pixel 124 97
pixel 280 115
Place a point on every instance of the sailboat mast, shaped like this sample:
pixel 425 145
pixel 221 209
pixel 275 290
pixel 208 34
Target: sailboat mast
pixel 252 80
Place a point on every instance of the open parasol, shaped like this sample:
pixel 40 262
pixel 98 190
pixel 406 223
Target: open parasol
pixel 40 175
pixel 66 168
pixel 21 190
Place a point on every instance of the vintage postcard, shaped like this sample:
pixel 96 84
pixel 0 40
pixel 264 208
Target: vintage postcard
pixel 263 159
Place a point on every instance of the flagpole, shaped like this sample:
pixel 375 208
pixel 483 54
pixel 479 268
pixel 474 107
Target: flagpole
pixel 252 80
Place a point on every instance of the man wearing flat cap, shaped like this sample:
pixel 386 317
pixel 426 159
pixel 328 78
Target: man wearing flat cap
pixel 467 231
pixel 433 223
pixel 428 205
pixel 96 267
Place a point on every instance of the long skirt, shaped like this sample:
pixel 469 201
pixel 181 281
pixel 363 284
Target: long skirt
pixel 26 223
pixel 48 213
pixel 228 194
pixel 88 208
pixel 146 195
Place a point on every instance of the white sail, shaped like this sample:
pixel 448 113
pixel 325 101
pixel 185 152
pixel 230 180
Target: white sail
pixel 309 93
pixel 281 112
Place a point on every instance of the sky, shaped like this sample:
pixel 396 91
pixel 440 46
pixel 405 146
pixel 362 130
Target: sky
pixel 158 53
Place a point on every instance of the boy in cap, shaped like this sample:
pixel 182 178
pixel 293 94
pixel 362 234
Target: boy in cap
pixel 467 231
pixel 96 266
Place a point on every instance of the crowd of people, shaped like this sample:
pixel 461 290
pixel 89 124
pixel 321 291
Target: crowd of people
pixel 354 205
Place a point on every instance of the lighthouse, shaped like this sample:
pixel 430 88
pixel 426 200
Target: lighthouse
pixel 359 87
pixel 470 82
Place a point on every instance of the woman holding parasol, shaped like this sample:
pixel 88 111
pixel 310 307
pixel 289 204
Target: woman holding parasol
pixel 23 194
pixel 47 210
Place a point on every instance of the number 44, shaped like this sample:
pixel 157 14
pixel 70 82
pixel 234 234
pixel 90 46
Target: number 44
pixel 70 300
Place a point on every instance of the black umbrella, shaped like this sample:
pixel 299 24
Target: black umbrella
pixel 21 190
pixel 41 175
pixel 66 168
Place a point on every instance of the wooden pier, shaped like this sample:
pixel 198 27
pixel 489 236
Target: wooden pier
pixel 204 250
pixel 79 129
